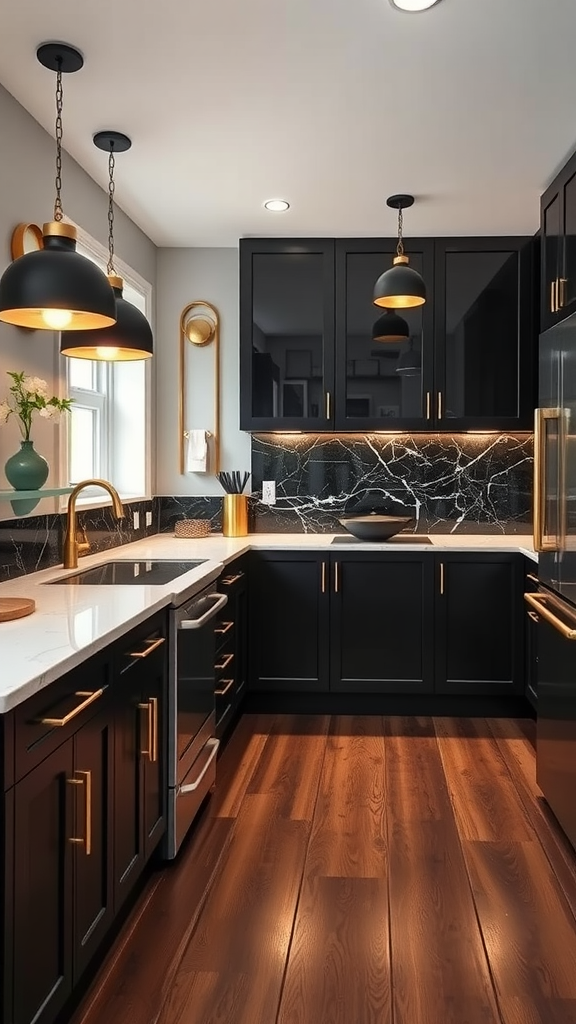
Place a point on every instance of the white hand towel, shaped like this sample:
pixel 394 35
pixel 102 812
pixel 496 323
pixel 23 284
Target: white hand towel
pixel 196 451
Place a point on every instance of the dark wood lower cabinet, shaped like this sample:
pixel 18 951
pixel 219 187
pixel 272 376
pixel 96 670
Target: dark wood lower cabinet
pixel 289 621
pixel 381 623
pixel 478 623
pixel 42 912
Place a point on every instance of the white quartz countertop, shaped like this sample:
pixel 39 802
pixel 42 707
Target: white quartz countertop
pixel 72 623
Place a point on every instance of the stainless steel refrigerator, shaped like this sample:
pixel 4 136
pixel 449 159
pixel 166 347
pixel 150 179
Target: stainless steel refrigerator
pixel 555 599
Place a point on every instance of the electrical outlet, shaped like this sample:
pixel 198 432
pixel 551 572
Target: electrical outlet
pixel 136 520
pixel 269 492
pixel 148 519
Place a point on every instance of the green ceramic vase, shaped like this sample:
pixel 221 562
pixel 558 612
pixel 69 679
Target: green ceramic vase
pixel 26 470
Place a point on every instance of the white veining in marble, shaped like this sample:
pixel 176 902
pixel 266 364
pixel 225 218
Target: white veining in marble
pixel 72 623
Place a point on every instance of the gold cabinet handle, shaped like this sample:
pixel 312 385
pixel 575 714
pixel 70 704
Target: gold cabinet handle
pixel 552 289
pixel 442 578
pixel 90 695
pixel 532 578
pixel 224 689
pixel 336 577
pixel 323 577
pixel 439 405
pixel 538 602
pixel 562 282
pixel 229 580
pixel 224 663
pixel 428 404
pixel 151 709
pixel 86 781
pixel 541 543
pixel 224 628
pixel 328 404
pixel 533 616
pixel 151 645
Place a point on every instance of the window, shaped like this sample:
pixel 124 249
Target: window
pixel 108 429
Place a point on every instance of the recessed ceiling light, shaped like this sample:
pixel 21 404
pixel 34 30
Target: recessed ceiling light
pixel 413 5
pixel 277 205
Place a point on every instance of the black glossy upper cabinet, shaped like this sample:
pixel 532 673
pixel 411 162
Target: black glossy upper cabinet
pixel 558 259
pixel 381 385
pixel 485 333
pixel 286 334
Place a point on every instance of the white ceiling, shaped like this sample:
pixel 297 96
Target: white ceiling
pixel 332 104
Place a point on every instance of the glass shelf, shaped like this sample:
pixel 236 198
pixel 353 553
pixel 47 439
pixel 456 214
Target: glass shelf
pixel 44 492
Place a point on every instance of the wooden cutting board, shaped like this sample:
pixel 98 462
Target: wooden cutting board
pixel 15 607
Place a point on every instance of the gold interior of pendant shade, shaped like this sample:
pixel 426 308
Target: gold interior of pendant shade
pixel 399 301
pixel 110 352
pixel 44 319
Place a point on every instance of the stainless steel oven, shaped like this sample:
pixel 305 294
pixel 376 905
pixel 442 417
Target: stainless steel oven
pixel 192 744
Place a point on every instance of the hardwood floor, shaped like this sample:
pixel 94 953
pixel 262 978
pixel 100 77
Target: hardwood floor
pixel 358 871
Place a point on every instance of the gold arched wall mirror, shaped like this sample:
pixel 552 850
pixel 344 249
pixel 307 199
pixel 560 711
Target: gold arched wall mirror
pixel 200 325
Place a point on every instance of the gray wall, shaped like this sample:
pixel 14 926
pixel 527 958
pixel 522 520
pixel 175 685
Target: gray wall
pixel 27 195
pixel 185 275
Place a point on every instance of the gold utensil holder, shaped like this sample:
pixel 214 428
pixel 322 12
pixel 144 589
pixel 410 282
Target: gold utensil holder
pixel 235 515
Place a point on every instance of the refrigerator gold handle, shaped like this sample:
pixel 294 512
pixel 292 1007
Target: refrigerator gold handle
pixel 541 543
pixel 538 602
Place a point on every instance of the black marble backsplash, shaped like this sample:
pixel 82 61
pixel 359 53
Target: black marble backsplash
pixel 35 542
pixel 465 483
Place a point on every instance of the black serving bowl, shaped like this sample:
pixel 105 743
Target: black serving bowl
pixel 375 527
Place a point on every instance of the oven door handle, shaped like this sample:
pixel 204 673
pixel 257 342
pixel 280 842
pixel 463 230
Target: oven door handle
pixel 194 785
pixel 198 623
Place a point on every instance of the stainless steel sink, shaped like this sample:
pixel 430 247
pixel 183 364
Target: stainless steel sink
pixel 125 573
pixel 398 538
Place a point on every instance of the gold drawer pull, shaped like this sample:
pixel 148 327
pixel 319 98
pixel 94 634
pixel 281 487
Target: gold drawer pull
pixel 538 603
pixel 221 692
pixel 229 580
pixel 224 628
pixel 151 709
pixel 90 696
pixel 86 781
pixel 151 645
pixel 533 616
pixel 224 663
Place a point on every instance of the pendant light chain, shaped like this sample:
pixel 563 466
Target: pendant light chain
pixel 400 244
pixel 111 189
pixel 58 211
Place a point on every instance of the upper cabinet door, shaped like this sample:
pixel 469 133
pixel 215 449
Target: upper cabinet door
pixel 286 334
pixel 550 269
pixel 485 334
pixel 381 385
pixel 567 280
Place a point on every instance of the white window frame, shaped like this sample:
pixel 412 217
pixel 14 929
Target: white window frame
pixel 96 498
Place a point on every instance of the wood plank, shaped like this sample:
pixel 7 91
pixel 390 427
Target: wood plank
pixel 439 968
pixel 339 966
pixel 518 752
pixel 291 764
pixel 485 799
pixel 528 931
pixel 243 933
pixel 349 834
pixel 238 764
pixel 137 975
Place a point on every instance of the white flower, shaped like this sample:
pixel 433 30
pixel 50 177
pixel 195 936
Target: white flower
pixel 48 412
pixel 36 385
pixel 5 411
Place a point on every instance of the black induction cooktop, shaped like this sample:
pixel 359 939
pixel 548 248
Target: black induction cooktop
pixel 142 573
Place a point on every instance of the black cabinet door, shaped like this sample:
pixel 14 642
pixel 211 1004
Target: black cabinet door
pixel 530 637
pixel 43 921
pixel 478 628
pixel 289 609
pixel 381 624
pixel 381 384
pixel 550 256
pixel 567 280
pixel 286 334
pixel 485 334
pixel 91 786
pixel 153 679
pixel 127 829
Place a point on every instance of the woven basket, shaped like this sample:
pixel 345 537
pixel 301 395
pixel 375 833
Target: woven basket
pixel 192 528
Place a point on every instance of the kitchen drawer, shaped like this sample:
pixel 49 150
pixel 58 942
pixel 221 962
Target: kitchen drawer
pixel 142 643
pixel 52 715
pixel 224 710
pixel 224 665
pixel 224 633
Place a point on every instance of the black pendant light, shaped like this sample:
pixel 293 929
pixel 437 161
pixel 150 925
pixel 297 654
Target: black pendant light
pixel 409 362
pixel 55 288
pixel 401 286
pixel 390 327
pixel 131 336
